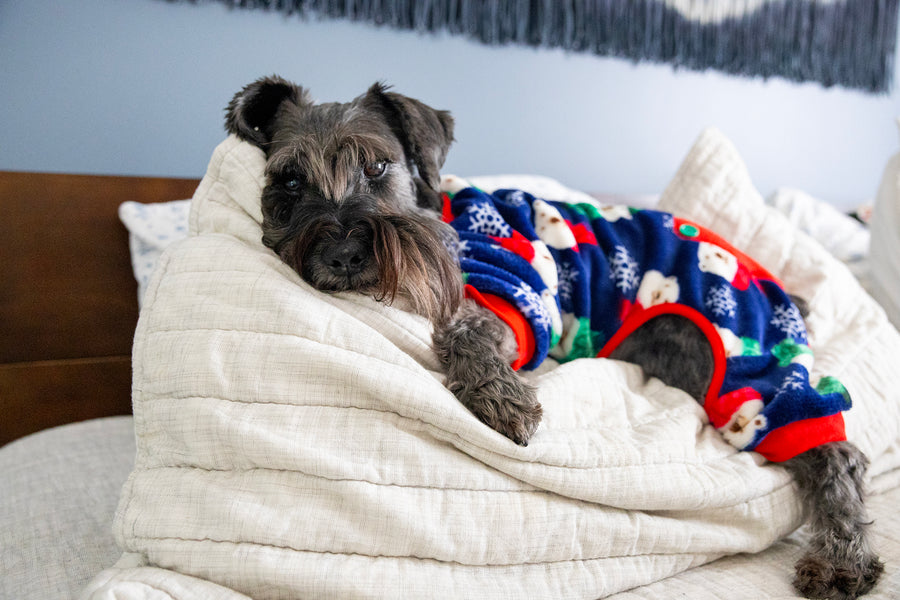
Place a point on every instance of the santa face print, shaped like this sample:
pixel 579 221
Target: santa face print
pixel 656 289
pixel 744 423
pixel 718 261
pixel 550 226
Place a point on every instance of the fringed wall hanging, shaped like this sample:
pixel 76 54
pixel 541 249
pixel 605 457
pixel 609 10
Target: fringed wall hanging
pixel 850 43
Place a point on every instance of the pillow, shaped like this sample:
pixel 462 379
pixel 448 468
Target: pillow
pixel 884 252
pixel 842 235
pixel 151 228
pixel 551 189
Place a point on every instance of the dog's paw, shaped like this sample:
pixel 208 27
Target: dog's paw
pixel 818 576
pixel 509 407
pixel 476 349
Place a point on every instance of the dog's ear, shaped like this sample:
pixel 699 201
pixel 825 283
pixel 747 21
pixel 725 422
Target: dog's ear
pixel 426 133
pixel 251 113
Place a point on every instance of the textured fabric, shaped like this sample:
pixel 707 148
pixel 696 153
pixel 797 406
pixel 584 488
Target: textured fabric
pixel 884 255
pixel 584 278
pixel 294 444
pixel 839 42
pixel 766 576
pixel 842 235
pixel 96 482
pixel 58 492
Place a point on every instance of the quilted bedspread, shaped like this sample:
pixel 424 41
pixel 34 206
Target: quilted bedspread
pixel 295 444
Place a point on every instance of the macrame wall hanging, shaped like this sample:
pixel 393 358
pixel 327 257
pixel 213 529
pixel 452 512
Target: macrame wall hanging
pixel 849 43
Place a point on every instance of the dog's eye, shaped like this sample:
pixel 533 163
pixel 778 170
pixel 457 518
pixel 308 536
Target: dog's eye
pixel 292 185
pixel 375 169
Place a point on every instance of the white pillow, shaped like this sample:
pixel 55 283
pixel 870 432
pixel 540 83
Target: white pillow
pixel 884 251
pixel 551 189
pixel 842 235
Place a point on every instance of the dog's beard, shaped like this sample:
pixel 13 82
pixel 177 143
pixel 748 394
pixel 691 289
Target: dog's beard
pixel 407 256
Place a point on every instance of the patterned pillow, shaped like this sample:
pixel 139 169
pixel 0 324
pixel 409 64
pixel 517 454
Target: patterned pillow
pixel 151 228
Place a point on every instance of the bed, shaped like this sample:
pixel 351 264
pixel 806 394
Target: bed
pixel 268 463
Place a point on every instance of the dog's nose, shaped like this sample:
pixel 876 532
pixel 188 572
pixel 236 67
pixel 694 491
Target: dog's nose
pixel 345 258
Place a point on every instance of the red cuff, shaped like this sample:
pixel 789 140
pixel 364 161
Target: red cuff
pixel 510 315
pixel 798 437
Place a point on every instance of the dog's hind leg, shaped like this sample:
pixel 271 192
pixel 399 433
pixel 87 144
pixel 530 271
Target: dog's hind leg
pixel 476 349
pixel 839 563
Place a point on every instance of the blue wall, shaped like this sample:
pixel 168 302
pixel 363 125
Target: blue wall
pixel 139 87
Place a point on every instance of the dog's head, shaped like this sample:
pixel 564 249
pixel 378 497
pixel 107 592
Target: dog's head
pixel 351 198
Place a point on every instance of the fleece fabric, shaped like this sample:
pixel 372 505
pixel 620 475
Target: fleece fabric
pixel 584 278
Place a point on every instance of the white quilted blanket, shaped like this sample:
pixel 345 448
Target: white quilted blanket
pixel 293 444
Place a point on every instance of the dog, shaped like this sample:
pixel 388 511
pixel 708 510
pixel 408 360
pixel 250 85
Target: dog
pixel 352 202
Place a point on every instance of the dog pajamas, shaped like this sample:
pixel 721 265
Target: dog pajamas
pixel 574 280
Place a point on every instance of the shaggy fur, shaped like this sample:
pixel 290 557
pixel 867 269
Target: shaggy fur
pixel 351 203
pixel 839 563
pixel 476 350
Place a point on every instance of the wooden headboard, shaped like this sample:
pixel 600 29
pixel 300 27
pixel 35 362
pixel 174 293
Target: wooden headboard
pixel 68 298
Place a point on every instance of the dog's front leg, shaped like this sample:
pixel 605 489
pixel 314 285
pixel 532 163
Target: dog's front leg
pixel 476 349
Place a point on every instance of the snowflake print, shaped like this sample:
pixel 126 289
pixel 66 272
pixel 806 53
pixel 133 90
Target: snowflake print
pixel 623 269
pixel 532 306
pixel 794 381
pixel 720 301
pixel 485 219
pixel 516 198
pixel 788 319
pixel 668 222
pixel 568 275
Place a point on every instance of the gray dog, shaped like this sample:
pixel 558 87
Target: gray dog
pixel 352 204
